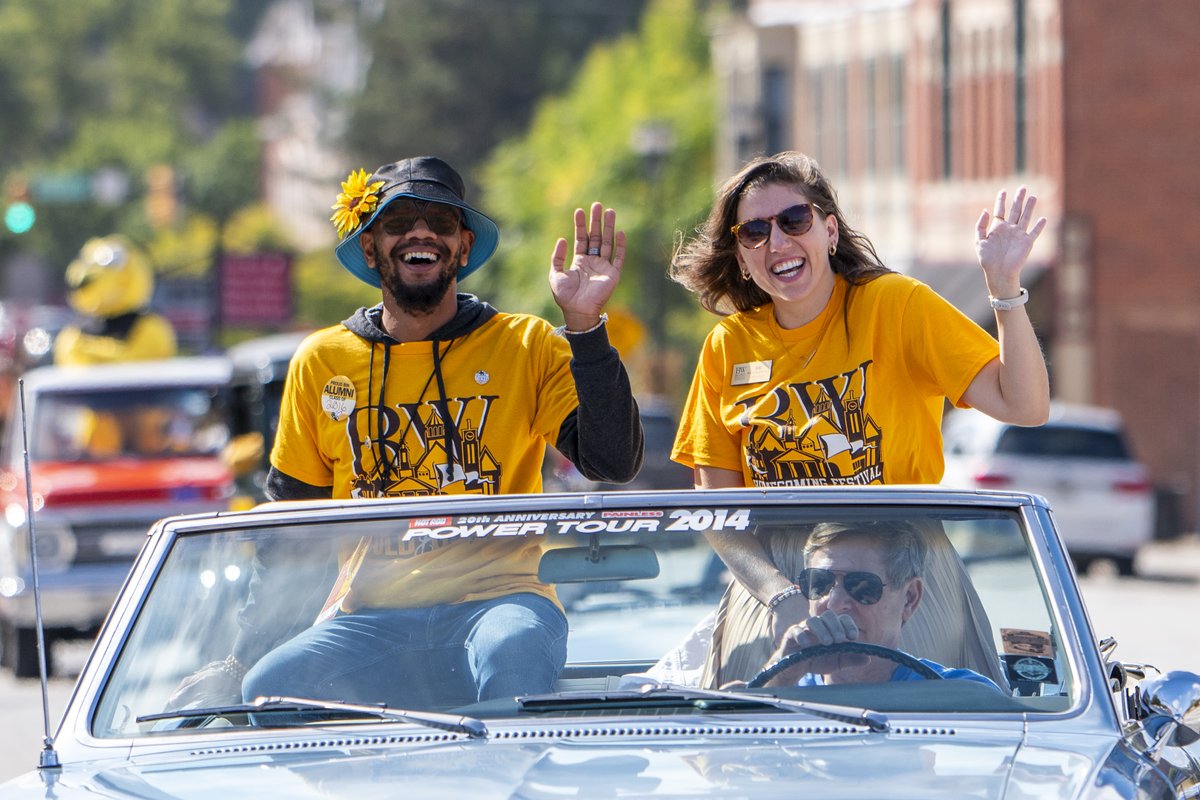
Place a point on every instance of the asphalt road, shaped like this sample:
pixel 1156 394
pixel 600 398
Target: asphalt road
pixel 1151 616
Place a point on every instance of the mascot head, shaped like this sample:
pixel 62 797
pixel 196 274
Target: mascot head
pixel 109 278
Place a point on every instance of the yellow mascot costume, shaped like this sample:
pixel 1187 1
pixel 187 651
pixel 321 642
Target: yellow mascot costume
pixel 110 284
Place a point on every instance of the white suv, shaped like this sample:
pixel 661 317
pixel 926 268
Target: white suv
pixel 1101 495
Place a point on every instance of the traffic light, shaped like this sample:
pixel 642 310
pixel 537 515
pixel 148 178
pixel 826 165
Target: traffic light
pixel 161 200
pixel 19 214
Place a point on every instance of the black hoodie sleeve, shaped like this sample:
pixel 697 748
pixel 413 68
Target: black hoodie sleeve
pixel 603 435
pixel 281 486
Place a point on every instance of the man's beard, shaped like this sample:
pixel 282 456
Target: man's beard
pixel 421 298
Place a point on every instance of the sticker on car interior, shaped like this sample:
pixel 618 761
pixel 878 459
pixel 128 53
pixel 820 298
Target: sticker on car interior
pixel 337 398
pixel 1028 656
pixel 1021 642
pixel 1030 669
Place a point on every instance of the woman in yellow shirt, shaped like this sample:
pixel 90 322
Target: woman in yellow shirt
pixel 829 368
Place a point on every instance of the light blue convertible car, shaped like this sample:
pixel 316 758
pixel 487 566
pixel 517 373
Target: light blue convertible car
pixel 926 643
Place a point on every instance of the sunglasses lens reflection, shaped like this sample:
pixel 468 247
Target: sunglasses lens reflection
pixel 865 587
pixel 796 220
pixel 441 219
pixel 793 220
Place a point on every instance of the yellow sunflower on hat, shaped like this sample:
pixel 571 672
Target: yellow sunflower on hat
pixel 358 198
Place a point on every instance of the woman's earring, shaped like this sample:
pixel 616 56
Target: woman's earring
pixel 745 274
pixel 833 250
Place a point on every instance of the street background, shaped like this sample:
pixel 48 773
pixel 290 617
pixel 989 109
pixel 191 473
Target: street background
pixel 214 136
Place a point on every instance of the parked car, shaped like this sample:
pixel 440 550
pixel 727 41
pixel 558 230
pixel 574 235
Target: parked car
pixel 1080 460
pixel 259 368
pixel 662 692
pixel 111 449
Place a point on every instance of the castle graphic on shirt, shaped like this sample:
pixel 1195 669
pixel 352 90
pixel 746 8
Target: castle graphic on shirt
pixel 426 448
pixel 814 433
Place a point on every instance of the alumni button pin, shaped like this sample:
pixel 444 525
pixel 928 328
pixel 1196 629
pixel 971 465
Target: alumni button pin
pixel 337 398
pixel 481 377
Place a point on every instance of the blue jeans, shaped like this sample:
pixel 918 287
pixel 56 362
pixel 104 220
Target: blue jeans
pixel 421 658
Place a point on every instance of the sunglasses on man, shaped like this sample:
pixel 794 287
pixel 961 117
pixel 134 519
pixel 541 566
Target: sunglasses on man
pixel 865 588
pixel 794 221
pixel 402 217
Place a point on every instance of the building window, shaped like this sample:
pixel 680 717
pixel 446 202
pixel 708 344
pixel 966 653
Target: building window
pixel 776 109
pixel 947 116
pixel 1020 88
pixel 896 113
pixel 871 122
pixel 841 123
pixel 817 116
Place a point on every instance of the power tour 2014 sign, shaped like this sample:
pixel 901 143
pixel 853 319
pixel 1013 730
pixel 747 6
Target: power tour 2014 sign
pixel 598 522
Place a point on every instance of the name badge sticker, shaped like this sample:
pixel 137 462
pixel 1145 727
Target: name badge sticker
pixel 337 398
pixel 751 372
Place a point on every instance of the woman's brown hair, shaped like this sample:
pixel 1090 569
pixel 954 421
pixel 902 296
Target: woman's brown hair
pixel 708 265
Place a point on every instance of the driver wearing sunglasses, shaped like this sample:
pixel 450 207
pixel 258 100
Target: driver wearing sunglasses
pixel 863 582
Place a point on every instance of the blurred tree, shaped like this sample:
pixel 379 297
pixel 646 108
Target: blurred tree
pixel 119 86
pixel 339 294
pixel 591 144
pixel 253 229
pixel 455 77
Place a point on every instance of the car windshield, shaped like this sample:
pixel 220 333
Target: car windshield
pixel 129 423
pixel 1064 441
pixel 955 591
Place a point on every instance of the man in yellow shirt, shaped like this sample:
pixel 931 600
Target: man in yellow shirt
pixel 433 392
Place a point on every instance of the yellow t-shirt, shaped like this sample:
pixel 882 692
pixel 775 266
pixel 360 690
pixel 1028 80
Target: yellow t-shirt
pixel 853 397
pixel 372 432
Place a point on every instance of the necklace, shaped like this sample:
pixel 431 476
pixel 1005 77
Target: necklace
pixel 788 347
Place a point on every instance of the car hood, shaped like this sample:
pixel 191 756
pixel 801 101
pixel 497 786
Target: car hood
pixel 698 762
pixel 129 480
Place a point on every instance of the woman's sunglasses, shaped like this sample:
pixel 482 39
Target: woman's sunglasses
pixel 442 219
pixel 864 587
pixel 794 221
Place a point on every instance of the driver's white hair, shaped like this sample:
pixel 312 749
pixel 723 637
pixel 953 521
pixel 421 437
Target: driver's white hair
pixel 904 548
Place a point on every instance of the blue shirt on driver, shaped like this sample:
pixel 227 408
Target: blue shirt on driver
pixel 903 673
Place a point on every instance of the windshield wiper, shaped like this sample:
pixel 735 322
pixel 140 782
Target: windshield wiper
pixel 666 693
pixel 474 728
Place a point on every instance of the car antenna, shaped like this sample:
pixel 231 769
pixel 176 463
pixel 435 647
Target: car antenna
pixel 49 757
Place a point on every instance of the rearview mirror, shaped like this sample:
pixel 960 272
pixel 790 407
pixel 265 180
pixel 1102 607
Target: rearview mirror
pixel 617 562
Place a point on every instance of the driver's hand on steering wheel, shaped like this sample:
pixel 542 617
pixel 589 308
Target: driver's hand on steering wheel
pixel 828 627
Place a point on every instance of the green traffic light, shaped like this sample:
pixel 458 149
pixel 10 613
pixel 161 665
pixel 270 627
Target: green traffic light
pixel 19 217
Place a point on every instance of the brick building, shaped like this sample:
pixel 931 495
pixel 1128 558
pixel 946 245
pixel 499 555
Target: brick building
pixel 919 110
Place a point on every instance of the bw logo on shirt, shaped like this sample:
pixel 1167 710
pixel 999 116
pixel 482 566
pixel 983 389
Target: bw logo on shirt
pixel 426 448
pixel 814 433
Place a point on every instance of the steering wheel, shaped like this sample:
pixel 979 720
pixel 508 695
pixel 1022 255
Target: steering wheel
pixel 862 648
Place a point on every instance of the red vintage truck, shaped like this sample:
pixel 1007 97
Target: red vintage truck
pixel 112 449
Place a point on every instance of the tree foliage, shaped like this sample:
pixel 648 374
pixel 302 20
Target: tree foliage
pixel 454 78
pixel 122 86
pixel 584 145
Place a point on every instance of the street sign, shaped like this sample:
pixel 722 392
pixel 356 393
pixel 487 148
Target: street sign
pixel 255 290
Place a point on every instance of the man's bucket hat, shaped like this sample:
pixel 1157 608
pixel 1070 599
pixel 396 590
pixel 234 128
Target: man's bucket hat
pixel 423 178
